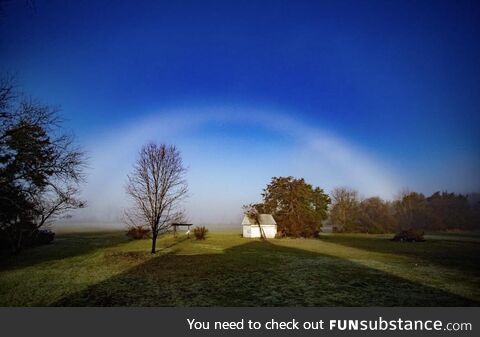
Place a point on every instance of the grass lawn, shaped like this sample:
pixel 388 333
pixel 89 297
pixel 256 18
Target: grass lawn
pixel 106 269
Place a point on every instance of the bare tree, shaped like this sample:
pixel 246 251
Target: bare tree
pixel 411 209
pixel 156 186
pixel 344 210
pixel 55 202
pixel 252 211
pixel 376 216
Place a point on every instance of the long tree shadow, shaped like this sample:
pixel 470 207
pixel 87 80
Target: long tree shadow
pixel 175 242
pixel 258 274
pixel 458 255
pixel 65 246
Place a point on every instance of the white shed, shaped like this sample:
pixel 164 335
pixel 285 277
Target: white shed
pixel 251 229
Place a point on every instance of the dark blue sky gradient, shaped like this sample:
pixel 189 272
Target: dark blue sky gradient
pixel 400 78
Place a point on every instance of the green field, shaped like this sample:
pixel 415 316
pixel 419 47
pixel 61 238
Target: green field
pixel 106 269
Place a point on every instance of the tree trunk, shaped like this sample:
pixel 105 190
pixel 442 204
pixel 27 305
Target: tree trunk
pixel 17 246
pixel 13 245
pixel 154 242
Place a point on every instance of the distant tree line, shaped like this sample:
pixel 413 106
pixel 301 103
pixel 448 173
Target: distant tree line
pixel 302 210
pixel 411 210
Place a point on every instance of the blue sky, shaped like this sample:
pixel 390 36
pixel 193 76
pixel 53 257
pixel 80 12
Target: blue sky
pixel 377 95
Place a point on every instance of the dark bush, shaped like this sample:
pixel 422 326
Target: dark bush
pixel 37 238
pixel 138 232
pixel 200 232
pixel 44 236
pixel 410 235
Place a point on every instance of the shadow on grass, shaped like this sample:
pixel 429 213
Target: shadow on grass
pixel 258 274
pixel 176 241
pixel 64 246
pixel 458 255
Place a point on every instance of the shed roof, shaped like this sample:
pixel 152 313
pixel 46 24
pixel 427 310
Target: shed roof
pixel 264 219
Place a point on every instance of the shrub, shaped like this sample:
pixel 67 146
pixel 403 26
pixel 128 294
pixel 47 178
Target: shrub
pixel 200 232
pixel 138 232
pixel 410 235
pixel 38 237
pixel 44 236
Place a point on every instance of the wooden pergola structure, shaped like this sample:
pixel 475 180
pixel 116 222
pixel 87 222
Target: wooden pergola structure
pixel 176 225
